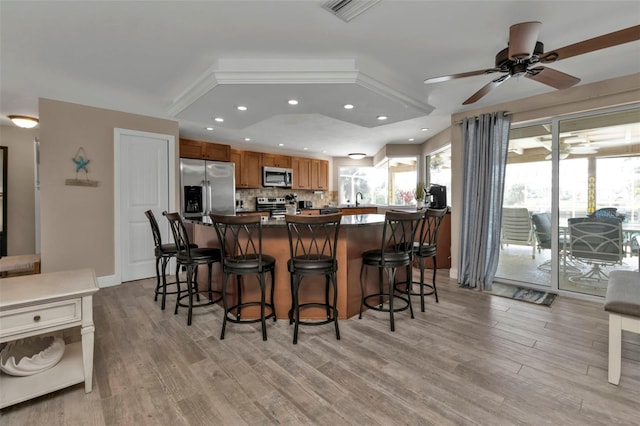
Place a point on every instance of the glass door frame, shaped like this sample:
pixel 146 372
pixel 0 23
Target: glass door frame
pixel 555 193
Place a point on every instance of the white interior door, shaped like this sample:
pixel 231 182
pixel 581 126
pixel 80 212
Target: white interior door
pixel 146 183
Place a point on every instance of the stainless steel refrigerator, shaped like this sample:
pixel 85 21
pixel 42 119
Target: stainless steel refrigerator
pixel 207 187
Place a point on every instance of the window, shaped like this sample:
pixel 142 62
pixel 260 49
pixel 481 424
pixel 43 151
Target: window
pixel 392 182
pixel 439 169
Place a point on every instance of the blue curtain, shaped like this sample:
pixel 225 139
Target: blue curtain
pixel 485 141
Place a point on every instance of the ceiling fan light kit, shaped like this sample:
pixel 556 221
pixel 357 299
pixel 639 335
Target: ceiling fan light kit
pixel 524 52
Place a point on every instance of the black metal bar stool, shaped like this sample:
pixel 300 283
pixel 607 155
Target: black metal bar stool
pixel 312 245
pixel 425 247
pixel 163 253
pixel 396 250
pixel 241 240
pixel 191 258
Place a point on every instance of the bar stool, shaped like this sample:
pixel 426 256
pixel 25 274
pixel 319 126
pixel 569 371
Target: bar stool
pixel 241 240
pixel 164 253
pixel 424 247
pixel 312 245
pixel 396 250
pixel 191 258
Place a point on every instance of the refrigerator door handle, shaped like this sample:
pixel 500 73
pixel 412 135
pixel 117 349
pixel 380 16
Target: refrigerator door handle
pixel 207 189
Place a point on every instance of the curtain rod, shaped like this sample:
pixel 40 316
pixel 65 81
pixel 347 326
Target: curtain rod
pixel 505 114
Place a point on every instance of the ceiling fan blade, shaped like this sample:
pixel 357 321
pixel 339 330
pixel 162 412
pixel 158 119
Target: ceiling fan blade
pixel 522 39
pixel 601 42
pixel 486 89
pixel 461 75
pixel 551 77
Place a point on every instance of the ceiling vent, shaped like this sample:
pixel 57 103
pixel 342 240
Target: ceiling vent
pixel 348 9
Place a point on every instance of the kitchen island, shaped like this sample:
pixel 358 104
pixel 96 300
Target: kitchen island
pixel 357 234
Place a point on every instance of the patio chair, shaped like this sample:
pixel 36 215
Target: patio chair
pixel 542 229
pixel 517 228
pixel 596 241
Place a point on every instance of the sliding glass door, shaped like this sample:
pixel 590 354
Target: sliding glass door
pixel 560 174
pixel 525 248
pixel 599 198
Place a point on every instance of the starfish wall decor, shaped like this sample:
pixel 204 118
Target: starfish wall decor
pixel 81 161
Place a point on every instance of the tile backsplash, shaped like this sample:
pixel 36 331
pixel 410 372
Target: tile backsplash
pixel 318 198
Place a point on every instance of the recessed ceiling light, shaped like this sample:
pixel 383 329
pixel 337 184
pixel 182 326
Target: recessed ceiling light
pixel 305 148
pixel 348 106
pixel 293 102
pixel 209 128
pixel 219 119
pixel 247 139
pixel 382 117
pixel 424 129
pixel 411 139
pixel 280 144
pixel 241 108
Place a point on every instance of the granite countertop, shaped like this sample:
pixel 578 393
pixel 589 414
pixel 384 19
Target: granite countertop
pixel 352 220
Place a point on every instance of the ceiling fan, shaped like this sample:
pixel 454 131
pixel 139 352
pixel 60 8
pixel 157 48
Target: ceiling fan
pixel 524 52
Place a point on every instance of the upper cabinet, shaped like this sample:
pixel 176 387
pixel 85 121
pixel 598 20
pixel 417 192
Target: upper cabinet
pixel 301 173
pixel 201 150
pixel 275 160
pixel 248 168
pixel 320 174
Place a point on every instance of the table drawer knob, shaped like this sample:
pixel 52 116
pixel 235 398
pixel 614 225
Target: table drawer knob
pixel 36 318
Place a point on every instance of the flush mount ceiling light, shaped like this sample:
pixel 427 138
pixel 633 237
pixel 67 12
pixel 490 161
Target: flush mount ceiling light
pixel 357 155
pixel 24 121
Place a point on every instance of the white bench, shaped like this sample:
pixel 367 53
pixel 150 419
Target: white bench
pixel 623 304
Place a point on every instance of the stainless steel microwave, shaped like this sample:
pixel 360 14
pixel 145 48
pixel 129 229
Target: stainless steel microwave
pixel 277 176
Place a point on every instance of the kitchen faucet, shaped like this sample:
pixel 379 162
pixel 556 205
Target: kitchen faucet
pixel 361 197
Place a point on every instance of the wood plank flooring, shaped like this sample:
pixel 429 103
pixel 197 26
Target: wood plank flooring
pixel 472 359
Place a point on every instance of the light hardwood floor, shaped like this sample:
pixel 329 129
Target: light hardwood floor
pixel 471 359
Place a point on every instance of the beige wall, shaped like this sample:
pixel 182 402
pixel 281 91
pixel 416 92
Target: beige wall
pixel 20 190
pixel 77 222
pixel 620 91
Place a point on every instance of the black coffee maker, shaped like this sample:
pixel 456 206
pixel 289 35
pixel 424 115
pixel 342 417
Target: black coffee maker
pixel 436 196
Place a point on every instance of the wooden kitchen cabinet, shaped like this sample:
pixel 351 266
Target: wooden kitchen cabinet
pixel 248 168
pixel 301 173
pixel 201 150
pixel 319 174
pixel 358 210
pixel 276 160
pixel 443 245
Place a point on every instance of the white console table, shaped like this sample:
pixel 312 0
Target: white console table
pixel 37 304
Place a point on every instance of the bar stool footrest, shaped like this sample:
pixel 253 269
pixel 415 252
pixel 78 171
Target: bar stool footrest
pixel 234 318
pixel 198 304
pixel 377 307
pixel 316 305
